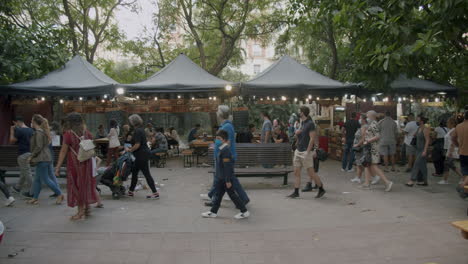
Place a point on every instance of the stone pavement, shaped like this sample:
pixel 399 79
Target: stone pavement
pixel 349 225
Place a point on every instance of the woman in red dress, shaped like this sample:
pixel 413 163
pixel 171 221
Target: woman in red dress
pixel 81 185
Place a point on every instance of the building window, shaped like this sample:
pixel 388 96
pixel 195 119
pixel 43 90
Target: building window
pixel 257 50
pixel 256 68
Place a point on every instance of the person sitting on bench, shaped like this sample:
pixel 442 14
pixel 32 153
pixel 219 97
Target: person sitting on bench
pixel 159 142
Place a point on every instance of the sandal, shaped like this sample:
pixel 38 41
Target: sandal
pixel 79 216
pixel 59 199
pixel 87 211
pixel 33 202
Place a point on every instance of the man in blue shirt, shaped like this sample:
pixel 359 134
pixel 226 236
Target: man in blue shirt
pixel 193 133
pixel 226 125
pixel 20 134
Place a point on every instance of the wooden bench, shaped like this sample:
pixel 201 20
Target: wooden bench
pixel 463 226
pixel 160 159
pixel 188 156
pixel 9 163
pixel 261 160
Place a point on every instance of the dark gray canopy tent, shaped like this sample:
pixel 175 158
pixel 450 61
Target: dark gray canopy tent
pixel 182 75
pixel 289 77
pixel 76 78
pixel 404 85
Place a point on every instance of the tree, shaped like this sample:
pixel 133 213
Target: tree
pixel 122 72
pixel 212 29
pixel 28 50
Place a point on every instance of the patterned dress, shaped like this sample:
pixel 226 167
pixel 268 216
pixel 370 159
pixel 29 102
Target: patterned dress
pixel 373 131
pixel 81 185
pixel 358 154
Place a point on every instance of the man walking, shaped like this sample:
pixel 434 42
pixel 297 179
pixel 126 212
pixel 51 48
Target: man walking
pixel 410 130
pixel 20 134
pixel 348 130
pixel 460 139
pixel 388 137
pixel 226 125
pixel 267 128
pixel 304 154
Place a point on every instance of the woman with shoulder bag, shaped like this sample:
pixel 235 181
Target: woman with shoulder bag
pixel 358 148
pixel 81 185
pixel 42 157
pixel 422 144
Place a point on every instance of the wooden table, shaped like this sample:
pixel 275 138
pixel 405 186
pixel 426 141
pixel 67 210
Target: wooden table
pixel 200 148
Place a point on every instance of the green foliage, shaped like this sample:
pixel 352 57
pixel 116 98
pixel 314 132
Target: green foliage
pixel 30 52
pixel 123 72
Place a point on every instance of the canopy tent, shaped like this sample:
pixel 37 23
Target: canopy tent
pixel 76 78
pixel 182 75
pixel 414 85
pixel 289 77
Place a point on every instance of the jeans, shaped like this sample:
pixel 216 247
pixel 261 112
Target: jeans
pixel 348 157
pixel 4 189
pixel 219 190
pixel 141 163
pixel 419 171
pixel 236 186
pixel 43 176
pixel 25 180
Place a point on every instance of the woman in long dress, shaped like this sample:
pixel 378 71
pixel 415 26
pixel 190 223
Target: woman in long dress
pixel 81 185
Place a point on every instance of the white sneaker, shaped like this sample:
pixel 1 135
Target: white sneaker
pixel 443 182
pixel 389 187
pixel 343 170
pixel 10 201
pixel 205 196
pixel 356 179
pixel 350 170
pixel 209 214
pixel 242 215
pixel 375 180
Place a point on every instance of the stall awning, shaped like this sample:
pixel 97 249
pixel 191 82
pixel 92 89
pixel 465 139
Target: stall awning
pixel 76 78
pixel 182 75
pixel 405 85
pixel 287 76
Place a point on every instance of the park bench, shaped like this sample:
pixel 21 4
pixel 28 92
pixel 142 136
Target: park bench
pixel 9 163
pixel 261 160
pixel 159 159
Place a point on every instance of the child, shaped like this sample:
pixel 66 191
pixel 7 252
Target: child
pixel 224 174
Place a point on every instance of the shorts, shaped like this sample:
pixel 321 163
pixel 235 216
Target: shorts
pixel 449 163
pixel 387 149
pixel 302 160
pixel 410 150
pixel 464 165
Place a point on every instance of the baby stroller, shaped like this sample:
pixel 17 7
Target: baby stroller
pixel 115 175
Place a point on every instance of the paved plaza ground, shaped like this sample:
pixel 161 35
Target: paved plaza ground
pixel 349 225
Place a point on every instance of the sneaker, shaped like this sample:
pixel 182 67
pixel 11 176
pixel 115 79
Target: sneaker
pixel 389 187
pixel 242 215
pixel 10 201
pixel 209 214
pixel 343 170
pixel 375 180
pixel 153 196
pixel 307 188
pixel 365 187
pixel 205 196
pixel 356 180
pixel 16 190
pixel 443 182
pixel 53 195
pixel 293 195
pixel 130 194
pixel 27 195
pixel 350 170
pixel 320 193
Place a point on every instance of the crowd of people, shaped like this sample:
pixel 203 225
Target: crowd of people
pixel 367 143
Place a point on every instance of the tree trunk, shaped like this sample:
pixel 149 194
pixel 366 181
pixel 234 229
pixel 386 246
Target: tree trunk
pixel 332 44
pixel 71 25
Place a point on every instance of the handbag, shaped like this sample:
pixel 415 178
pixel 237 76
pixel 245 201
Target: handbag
pixel 366 159
pixel 86 150
pixel 413 141
pixel 322 155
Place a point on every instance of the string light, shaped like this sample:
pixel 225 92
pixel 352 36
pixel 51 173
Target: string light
pixel 423 100
pixel 214 98
pixel 155 98
pixel 437 99
pixel 120 91
pixel 228 87
pixel 365 100
pixel 404 98
pixel 274 99
pixel 385 99
pixel 105 96
pixel 318 98
pixel 399 99
pixel 43 98
pixel 412 100
pixel 295 100
pixel 253 97
pixel 61 101
pixel 210 98
pixel 193 98
pixel 283 98
pixel 103 101
pixel 261 99
pixel 138 97
pixel 178 96
pixel 310 96
pixel 81 98
pixel 268 97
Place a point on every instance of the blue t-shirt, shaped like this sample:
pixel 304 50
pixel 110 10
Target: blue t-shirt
pixel 23 136
pixel 229 128
pixel 191 136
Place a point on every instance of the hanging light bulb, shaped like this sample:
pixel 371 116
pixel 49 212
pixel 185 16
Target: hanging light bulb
pixel 268 97
pixel 43 98
pixel 210 98
pixel 193 98
pixel 228 87
pixel 156 98
pixel 318 98
pixel 365 100
pixel 310 96
pixel 253 97
pixel 178 96
pixel 437 99
pixel 103 101
pixel 283 98
pixel 138 97
pixel 81 98
pixel 295 100
pixel 399 99
pixel 423 100
pixel 61 101
pixel 214 98
pixel 274 99
pixel 120 91
pixel 105 96
pixel 404 98
pixel 261 99
pixel 412 100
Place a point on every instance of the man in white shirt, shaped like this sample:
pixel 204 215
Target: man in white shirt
pixel 410 130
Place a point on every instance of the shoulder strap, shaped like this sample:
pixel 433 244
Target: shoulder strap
pixel 445 129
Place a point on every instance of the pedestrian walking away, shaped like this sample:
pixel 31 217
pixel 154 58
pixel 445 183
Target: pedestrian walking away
pixel 349 130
